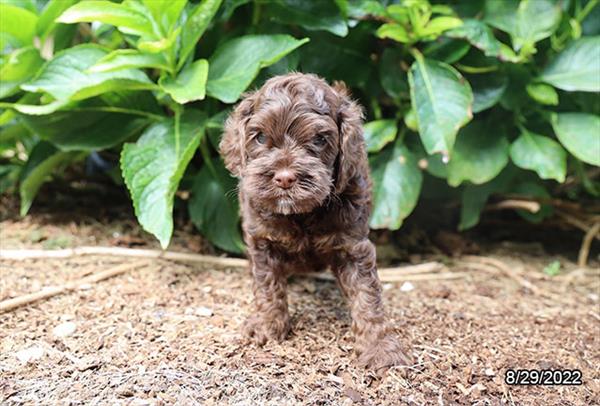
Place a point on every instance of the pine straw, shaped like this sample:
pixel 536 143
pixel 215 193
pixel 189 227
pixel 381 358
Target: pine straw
pixel 141 340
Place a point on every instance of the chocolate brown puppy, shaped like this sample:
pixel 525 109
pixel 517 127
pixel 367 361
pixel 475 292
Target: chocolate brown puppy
pixel 297 147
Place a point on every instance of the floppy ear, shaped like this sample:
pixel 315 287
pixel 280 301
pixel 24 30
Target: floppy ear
pixel 352 154
pixel 233 143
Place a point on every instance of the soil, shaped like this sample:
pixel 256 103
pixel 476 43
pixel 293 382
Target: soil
pixel 169 333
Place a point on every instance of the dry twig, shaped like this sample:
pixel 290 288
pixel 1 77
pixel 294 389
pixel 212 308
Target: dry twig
pixel 575 222
pixel 584 251
pixel 426 267
pixel 514 204
pixel 401 277
pixel 419 272
pixel 55 290
pixel 20 255
pixel 480 263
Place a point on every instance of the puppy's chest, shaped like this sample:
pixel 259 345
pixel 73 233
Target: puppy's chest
pixel 296 237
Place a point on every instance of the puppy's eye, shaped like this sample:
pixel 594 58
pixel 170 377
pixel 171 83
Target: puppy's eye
pixel 320 140
pixel 261 138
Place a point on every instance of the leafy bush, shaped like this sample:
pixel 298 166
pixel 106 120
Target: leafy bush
pixel 494 96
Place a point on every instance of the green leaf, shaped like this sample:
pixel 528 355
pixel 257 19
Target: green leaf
pixel 335 59
pixel 392 77
pixel 479 155
pixel 85 130
pixel 541 154
pixel 153 167
pixel 576 67
pixel 312 15
pixel 542 93
pixel 127 19
pixel 43 161
pixel 213 207
pixel 580 135
pixel 343 6
pixel 46 22
pixel 397 183
pixel 447 50
pixel 361 8
pixel 29 5
pixel 473 200
pixel 410 120
pixel 442 99
pixel 527 21
pixel 399 12
pixel 474 197
pixel 66 76
pixel 18 68
pixel 17 26
pixel 165 12
pixel 129 58
pixel 487 90
pixel 214 127
pixel 552 269
pixel 160 45
pixel 479 34
pixel 12 134
pixel 394 31
pixel 195 25
pixel 236 63
pixel 379 133
pixel 189 85
pixel 438 25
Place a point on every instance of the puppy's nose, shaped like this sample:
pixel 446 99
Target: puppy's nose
pixel 284 179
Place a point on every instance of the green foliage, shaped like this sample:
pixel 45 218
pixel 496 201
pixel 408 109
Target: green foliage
pixel 235 64
pixel 397 183
pixel 480 154
pixel 576 67
pixel 491 97
pixel 43 159
pixel 541 154
pixel 579 133
pixel 553 268
pixel 212 208
pixel 442 100
pixel 154 165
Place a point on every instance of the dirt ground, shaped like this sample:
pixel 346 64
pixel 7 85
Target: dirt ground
pixel 167 333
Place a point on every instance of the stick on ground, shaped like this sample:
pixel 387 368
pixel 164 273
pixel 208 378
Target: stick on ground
pixel 425 271
pixel 483 263
pixel 21 255
pixel 56 290
pixel 584 251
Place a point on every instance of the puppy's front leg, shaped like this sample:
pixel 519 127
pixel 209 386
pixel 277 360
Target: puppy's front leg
pixel 271 320
pixel 376 345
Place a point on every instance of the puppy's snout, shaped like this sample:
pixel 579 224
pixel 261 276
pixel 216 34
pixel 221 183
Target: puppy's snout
pixel 284 178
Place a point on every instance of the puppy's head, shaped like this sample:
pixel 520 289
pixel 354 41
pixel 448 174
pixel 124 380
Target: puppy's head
pixel 293 143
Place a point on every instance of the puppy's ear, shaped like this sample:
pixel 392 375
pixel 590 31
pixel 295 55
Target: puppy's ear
pixel 233 143
pixel 352 153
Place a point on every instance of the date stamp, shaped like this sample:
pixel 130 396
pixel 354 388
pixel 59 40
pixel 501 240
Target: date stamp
pixel 543 377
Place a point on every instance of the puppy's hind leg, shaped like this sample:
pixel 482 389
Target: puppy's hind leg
pixel 376 345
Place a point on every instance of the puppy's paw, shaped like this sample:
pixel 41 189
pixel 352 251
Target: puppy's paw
pixel 382 354
pixel 259 329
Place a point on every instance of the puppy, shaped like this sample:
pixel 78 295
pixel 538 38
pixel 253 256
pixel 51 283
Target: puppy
pixel 297 147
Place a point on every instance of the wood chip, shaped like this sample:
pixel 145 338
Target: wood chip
pixel 30 354
pixel 64 329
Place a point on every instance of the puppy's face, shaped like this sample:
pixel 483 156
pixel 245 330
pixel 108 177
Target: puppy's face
pixel 286 143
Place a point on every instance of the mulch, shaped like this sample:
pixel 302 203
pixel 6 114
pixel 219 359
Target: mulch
pixel 169 333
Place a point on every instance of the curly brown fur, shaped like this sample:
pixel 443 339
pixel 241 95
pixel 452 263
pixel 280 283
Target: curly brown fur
pixel 305 196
